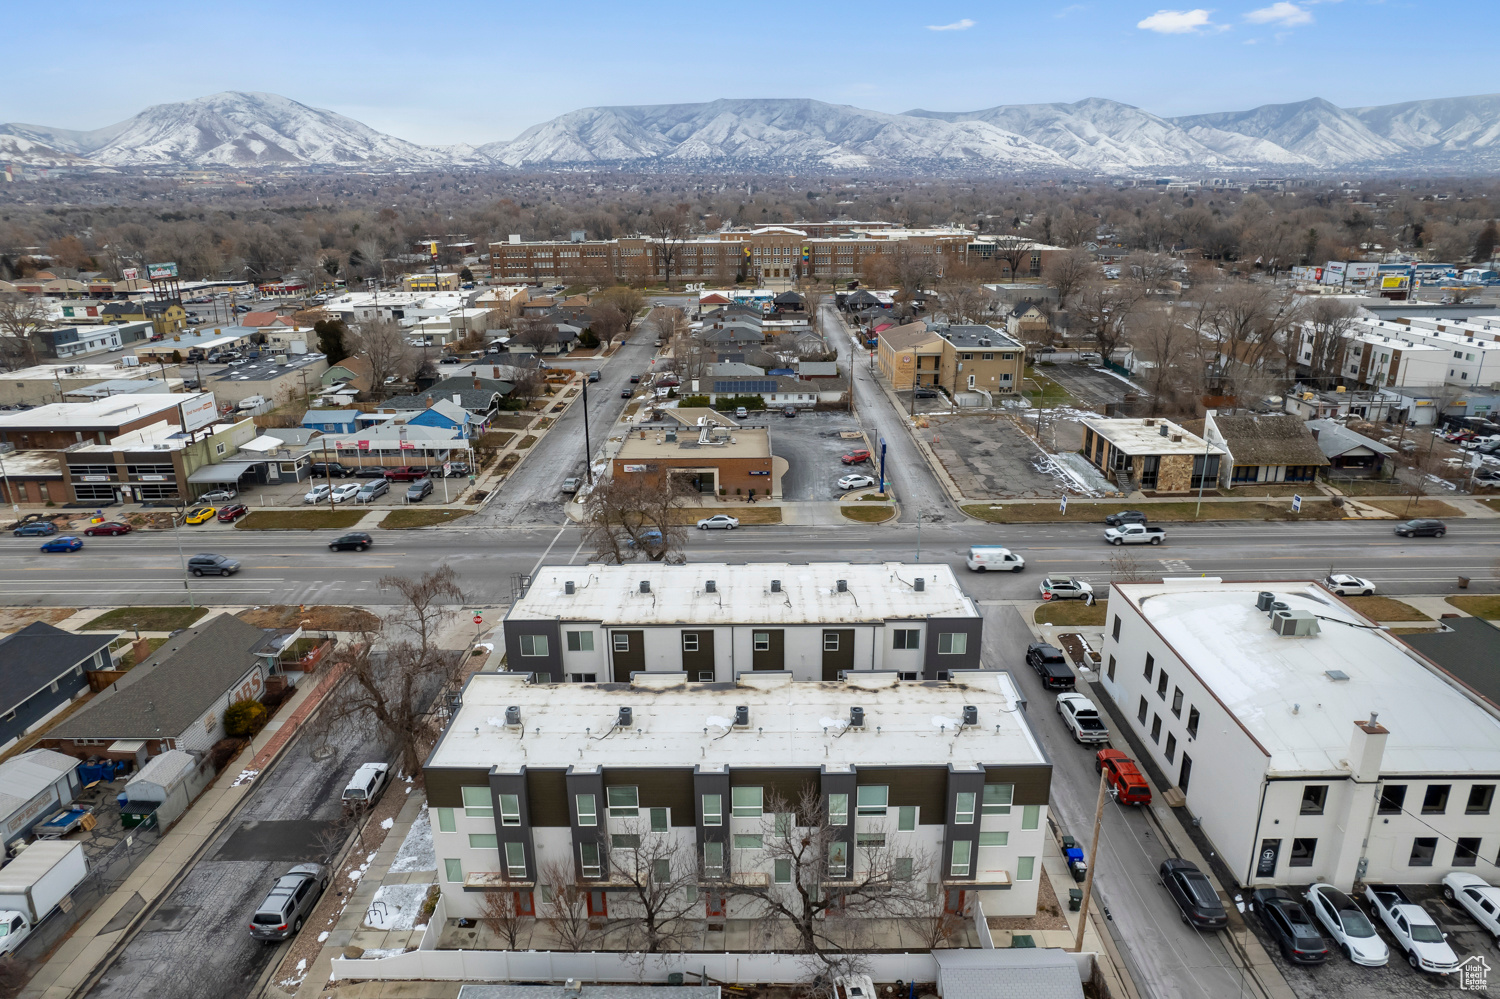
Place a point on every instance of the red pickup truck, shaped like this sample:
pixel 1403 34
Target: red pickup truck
pixel 1129 784
pixel 406 473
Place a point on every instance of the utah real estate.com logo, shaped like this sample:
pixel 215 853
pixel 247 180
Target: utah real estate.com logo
pixel 1474 974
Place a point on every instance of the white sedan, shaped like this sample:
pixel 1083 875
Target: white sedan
pixel 317 494
pixel 347 491
pixel 1346 585
pixel 719 522
pixel 856 482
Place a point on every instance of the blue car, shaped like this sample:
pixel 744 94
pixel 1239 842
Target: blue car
pixel 67 544
pixel 36 529
pixel 651 536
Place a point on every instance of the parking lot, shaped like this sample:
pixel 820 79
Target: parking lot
pixel 812 445
pixel 1090 385
pixel 990 457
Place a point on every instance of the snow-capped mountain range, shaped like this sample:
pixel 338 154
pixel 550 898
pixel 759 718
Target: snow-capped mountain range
pixel 1094 136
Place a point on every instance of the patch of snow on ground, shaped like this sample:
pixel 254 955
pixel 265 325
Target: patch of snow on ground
pixel 387 822
pixel 395 907
pixel 375 953
pixel 245 777
pixel 356 875
pixel 416 853
pixel 322 936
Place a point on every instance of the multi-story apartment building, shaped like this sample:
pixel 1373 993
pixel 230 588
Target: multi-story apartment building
pixel 715 622
pixel 955 358
pixel 1310 744
pixel 1379 353
pixel 936 790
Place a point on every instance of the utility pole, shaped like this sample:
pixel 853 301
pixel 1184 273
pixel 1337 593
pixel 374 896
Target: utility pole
pixel 588 448
pixel 1092 860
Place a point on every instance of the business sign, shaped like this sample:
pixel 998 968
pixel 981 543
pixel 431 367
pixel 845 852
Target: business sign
pixel 130 273
pixel 1333 272
pixel 161 272
pixel 1360 272
pixel 1394 282
pixel 152 478
pixel 634 468
pixel 198 412
pixel 94 478
pixel 760 473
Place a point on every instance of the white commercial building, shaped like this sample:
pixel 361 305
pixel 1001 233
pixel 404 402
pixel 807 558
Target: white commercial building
pixel 940 785
pixel 1310 744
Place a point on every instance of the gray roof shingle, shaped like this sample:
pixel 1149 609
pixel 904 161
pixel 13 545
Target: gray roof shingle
pixel 36 655
pixel 1269 440
pixel 1335 439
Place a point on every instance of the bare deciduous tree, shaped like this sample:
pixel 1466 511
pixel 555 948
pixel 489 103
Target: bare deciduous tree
pixel 1014 251
pixel 628 300
pixel 564 904
pixel 391 671
pixel 534 332
pixel 528 385
pixel 382 343
pixel 661 882
pixel 1329 323
pixel 500 910
pixel 608 322
pixel 669 230
pixel 1069 272
pixel 635 516
pixel 21 317
pixel 1103 313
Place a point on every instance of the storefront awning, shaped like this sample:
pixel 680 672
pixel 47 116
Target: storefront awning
pixel 224 471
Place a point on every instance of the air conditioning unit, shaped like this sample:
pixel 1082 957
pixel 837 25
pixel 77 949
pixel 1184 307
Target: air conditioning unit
pixel 1294 624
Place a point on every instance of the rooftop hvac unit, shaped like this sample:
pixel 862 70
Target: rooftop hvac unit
pixel 843 586
pixel 1294 624
pixel 569 587
pixel 775 586
pixel 1264 600
pixel 856 717
pixel 513 715
pixel 971 714
pixel 919 584
pixel 645 586
pixel 1277 605
pixel 742 715
pixel 625 718
pixel 709 586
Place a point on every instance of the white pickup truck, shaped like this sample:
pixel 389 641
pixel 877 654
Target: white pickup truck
pixel 1134 534
pixel 1416 932
pixel 34 884
pixel 1477 897
pixel 1082 718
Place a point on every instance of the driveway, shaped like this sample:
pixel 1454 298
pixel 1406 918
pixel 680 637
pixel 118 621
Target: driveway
pixel 812 446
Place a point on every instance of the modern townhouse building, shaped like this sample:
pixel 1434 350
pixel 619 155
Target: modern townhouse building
pixel 1309 744
pixel 938 788
pixel 718 621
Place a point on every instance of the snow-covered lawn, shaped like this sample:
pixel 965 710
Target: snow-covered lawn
pixel 396 907
pixel 416 853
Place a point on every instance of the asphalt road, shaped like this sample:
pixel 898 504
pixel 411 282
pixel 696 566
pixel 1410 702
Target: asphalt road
pixel 297 567
pixel 197 945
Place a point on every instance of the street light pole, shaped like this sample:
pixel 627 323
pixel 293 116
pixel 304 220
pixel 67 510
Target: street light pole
pixel 177 516
pixel 588 448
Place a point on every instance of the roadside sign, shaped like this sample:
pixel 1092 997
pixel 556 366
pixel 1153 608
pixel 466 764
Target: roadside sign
pixel 1296 504
pixel 1063 506
pixel 478 619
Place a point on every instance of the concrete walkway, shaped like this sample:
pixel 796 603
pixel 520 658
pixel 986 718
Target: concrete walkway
pixel 109 927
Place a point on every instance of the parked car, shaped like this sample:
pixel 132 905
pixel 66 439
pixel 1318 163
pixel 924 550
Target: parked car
pixel 1194 894
pixel 1488 475
pixel 1290 926
pixel 359 541
pixel 1064 588
pixel 66 543
pixel 925 393
pixel 406 473
pixel 1122 517
pixel 651 537
pixel 1477 897
pixel 218 496
pixel 419 490
pixel 1134 534
pixel 740 412
pixel 209 565
pixel 1082 718
pixel 1416 932
pixel 1422 529
pixel 289 903
pixel 372 490
pixel 365 786
pixel 1126 781
pixel 318 493
pixel 457 469
pixel 856 457
pixel 856 481
pixel 110 528
pixel 201 515
pixel 345 491
pixel 36 529
pixel 626 393
pixel 789 411
pixel 1346 585
pixel 370 472
pixel 234 511
pixel 635 379
pixel 330 470
pixel 1050 665
pixel 450 359
pixel 1348 925
pixel 570 485
pixel 718 522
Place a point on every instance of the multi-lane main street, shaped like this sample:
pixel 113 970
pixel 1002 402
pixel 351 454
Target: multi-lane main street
pixel 297 567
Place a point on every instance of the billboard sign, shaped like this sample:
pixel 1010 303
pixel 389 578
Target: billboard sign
pixel 1333 272
pixel 198 412
pixel 130 273
pixel 1394 282
pixel 161 272
pixel 1360 272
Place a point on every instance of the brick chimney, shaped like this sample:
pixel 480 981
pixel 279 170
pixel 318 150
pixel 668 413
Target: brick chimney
pixel 429 399
pixel 476 383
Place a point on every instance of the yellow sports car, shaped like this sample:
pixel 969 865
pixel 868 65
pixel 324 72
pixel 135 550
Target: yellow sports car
pixel 201 515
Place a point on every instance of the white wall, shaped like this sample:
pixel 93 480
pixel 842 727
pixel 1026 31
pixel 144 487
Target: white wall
pixel 209 728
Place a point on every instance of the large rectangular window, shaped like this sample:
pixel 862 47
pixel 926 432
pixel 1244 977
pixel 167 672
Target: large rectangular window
pixel 997 798
pixel 1031 816
pixel 515 860
pixel 1171 750
pixel 483 841
pixel 625 841
pixel 838 809
pixel 1192 725
pixel 453 870
pixel 747 802
pixel 446 821
pixel 713 860
pixel 588 810
pixel 1435 801
pixel 533 645
pixel 903 869
pixel 958 867
pixel 1156 728
pixel 906 638
pixel 762 641
pixel 1466 851
pixel 1150 665
pixel 963 808
pixel 1142 710
pixel 510 809
pixel 1115 631
pixel 1481 797
pixel 690 641
pixel 870 799
pixel 1111 667
pixel 659 820
pixel 1177 701
pixel 838 860
pixel 1423 849
pixel 477 803
pixel 952 643
pixel 994 839
pixel 588 856
pixel 624 802
pixel 782 872
pixel 1314 797
pixel 906 818
pixel 621 641
pixel 580 641
pixel 661 871
pixel 1302 852
pixel 748 841
pixel 1025 868
pixel 1392 799
pixel 830 641
pixel 713 809
pixel 1161 685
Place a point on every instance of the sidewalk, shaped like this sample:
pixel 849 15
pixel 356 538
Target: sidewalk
pixel 109 927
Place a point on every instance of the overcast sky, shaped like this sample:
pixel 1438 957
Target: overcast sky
pixel 461 71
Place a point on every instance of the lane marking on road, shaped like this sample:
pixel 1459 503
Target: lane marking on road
pixel 1175 565
pixel 538 567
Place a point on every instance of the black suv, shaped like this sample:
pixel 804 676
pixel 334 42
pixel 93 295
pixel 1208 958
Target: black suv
pixel 213 565
pixel 1290 926
pixel 1124 517
pixel 1050 665
pixel 1422 529
pixel 332 469
pixel 1194 895
pixel 359 541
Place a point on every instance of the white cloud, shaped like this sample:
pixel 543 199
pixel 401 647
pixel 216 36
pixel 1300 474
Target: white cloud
pixel 963 25
pixel 1283 13
pixel 1176 22
pixel 1071 9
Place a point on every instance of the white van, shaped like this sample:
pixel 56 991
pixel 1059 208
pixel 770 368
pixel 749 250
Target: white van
pixel 986 558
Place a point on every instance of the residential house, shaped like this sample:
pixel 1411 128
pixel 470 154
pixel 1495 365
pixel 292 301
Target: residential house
pixel 352 371
pixel 910 355
pixel 1275 447
pixel 41 672
pixel 331 421
pixel 1153 455
pixel 177 697
pixel 481 397
pixel 1350 454
pixel 446 414
pixel 1026 322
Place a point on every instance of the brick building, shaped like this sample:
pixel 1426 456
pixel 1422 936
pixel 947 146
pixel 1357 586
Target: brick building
pixel 1153 455
pixel 736 459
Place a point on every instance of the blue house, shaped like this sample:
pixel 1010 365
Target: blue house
pixel 444 414
pixel 41 671
pixel 331 421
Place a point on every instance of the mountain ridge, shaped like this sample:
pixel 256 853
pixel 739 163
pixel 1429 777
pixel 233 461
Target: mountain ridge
pixel 1090 136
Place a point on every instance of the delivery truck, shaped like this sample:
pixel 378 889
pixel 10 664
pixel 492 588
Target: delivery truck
pixel 34 884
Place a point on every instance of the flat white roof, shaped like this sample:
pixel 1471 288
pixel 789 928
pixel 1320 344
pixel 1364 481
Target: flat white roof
pixel 809 593
pixel 114 409
pixel 1135 437
pixel 792 723
pixel 1279 689
pixel 76 372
